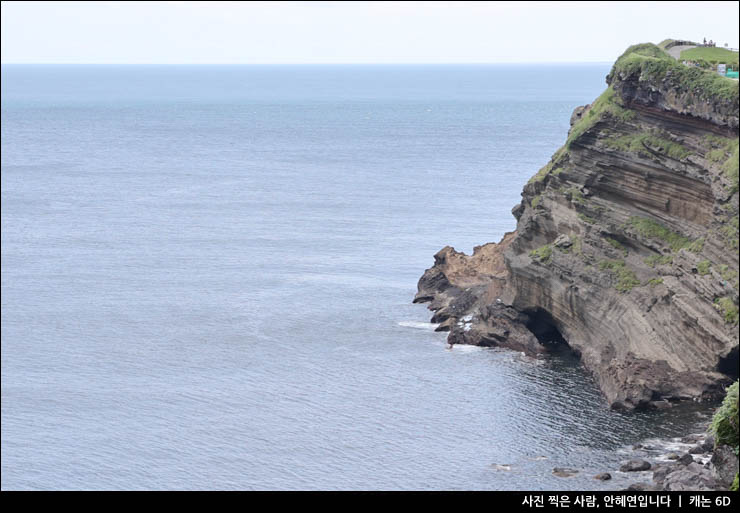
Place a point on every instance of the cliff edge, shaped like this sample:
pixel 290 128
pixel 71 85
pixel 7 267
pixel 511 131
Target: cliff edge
pixel 626 245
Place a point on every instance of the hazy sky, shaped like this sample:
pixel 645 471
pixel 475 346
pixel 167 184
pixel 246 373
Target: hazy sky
pixel 350 32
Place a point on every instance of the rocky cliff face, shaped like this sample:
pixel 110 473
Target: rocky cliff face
pixel 626 246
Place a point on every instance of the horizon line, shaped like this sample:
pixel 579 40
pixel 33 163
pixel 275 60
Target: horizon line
pixel 292 63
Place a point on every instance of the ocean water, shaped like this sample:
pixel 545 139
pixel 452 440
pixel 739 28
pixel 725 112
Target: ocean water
pixel 207 275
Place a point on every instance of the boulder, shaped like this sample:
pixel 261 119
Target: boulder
pixel 635 466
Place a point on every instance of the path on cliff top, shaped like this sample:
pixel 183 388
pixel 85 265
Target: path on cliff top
pixel 675 51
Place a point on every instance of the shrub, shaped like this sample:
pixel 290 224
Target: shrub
pixel 542 254
pixel 725 421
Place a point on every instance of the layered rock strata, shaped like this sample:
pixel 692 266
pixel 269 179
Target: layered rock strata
pixel 626 245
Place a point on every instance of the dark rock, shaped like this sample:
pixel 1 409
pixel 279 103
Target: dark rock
pixel 693 438
pixel 660 405
pixel 640 487
pixel 604 476
pixel 686 459
pixel 564 472
pixel 708 443
pixel 724 464
pixel 692 477
pixel 635 466
pixel 697 449
pixel 660 472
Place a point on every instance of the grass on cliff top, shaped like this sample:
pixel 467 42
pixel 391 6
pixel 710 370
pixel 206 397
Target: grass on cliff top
pixel 725 421
pixel 650 62
pixel 716 55
pixel 607 104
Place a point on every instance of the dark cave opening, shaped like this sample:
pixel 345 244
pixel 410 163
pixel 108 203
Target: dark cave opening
pixel 544 327
pixel 728 365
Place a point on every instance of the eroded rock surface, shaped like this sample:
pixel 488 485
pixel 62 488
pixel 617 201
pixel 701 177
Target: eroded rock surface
pixel 626 247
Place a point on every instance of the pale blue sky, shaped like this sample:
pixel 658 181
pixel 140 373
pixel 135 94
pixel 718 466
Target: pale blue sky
pixel 351 32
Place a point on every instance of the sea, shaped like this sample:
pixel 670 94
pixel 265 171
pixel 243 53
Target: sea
pixel 207 276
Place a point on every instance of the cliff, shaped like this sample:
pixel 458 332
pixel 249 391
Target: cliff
pixel 626 245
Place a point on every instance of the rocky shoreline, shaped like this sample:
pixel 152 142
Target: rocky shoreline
pixel 626 253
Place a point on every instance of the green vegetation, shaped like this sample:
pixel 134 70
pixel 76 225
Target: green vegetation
pixel 577 245
pixel 663 44
pixel 617 245
pixel 654 230
pixel 654 260
pixel 626 278
pixel 730 168
pixel 536 201
pixel 575 195
pixel 655 281
pixel 644 142
pixel 725 152
pixel 704 267
pixel 712 55
pixel 728 275
pixel 542 254
pixel 728 309
pixel 730 231
pixel 606 105
pixel 725 421
pixel 697 246
pixel 734 485
pixel 556 158
pixel 586 219
pixel 717 155
pixel 651 63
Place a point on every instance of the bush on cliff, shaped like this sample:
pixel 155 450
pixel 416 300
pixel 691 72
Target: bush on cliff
pixel 725 420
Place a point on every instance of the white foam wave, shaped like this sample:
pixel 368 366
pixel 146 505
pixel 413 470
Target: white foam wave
pixel 431 326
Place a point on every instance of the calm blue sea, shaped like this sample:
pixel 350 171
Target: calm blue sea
pixel 207 275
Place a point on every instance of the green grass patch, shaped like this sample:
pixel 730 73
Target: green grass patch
pixel 696 246
pixel 727 308
pixel 654 230
pixel 606 105
pixel 626 279
pixel 724 425
pixel 577 245
pixel 710 54
pixel 655 281
pixel 616 245
pixel 586 219
pixel 654 260
pixel 704 267
pixel 575 195
pixel 648 144
pixel 536 201
pixel 542 254
pixel 730 169
pixel 730 232
pixel 728 275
